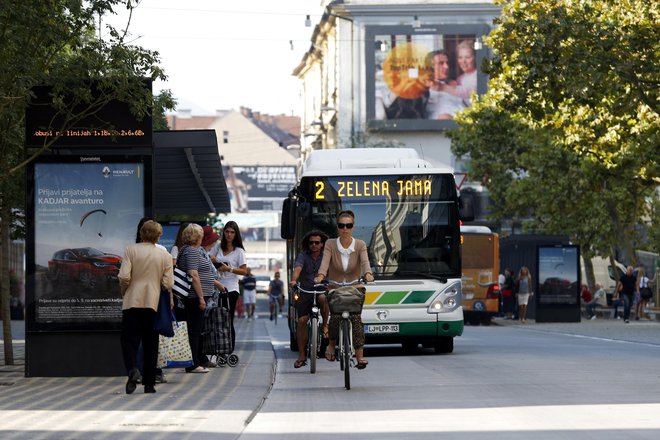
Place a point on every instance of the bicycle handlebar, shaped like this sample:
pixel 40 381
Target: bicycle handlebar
pixel 297 286
pixel 345 283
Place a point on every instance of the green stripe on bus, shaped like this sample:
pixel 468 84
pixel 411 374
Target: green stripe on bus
pixel 391 297
pixel 418 296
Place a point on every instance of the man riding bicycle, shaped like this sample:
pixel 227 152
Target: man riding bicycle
pixel 275 291
pixel 305 268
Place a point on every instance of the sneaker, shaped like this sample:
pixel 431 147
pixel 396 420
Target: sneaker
pixel 199 369
pixel 592 317
pixel 626 321
pixel 160 378
pixel 209 364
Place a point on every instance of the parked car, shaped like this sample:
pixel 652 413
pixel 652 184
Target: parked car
pixel 87 265
pixel 263 281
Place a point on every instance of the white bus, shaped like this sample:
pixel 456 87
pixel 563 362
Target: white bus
pixel 407 212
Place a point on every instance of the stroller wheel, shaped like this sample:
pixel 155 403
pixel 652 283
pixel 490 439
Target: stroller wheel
pixel 222 361
pixel 232 360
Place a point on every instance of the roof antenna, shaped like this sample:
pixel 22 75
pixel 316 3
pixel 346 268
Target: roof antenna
pixel 422 151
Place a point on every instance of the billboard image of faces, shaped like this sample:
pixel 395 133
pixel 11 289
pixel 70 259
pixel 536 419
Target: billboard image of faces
pixel 85 214
pixel 425 75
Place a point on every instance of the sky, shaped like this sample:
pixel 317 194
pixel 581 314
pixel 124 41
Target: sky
pixel 221 54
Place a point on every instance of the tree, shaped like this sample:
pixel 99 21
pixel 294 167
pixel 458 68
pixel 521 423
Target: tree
pixel 55 42
pixel 568 132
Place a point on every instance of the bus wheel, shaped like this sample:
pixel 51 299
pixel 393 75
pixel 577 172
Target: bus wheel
pixel 444 345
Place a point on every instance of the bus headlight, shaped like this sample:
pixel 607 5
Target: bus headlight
pixel 445 301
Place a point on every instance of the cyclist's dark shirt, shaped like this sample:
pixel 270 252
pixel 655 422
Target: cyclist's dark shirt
pixel 276 287
pixel 310 267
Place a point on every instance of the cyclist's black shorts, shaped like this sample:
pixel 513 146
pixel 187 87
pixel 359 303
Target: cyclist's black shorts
pixel 304 304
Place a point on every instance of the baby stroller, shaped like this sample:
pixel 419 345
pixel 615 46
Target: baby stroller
pixel 216 331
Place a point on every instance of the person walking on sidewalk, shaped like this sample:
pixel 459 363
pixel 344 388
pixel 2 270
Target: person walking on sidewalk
pixel 144 269
pixel 626 288
pixel 524 283
pixel 644 291
pixel 249 294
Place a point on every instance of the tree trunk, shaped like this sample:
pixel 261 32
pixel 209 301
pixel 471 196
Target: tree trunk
pixel 5 224
pixel 589 273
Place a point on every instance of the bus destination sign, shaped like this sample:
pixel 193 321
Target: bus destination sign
pixel 373 187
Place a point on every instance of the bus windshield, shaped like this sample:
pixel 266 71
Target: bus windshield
pixel 409 223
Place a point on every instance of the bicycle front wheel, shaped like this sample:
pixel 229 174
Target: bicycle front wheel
pixel 313 344
pixel 346 352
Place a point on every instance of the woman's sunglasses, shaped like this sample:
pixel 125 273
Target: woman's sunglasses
pixel 345 225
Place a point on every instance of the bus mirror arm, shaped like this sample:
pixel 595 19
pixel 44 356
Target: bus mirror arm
pixel 466 207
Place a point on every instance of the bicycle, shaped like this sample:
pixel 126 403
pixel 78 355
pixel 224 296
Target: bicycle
pixel 273 308
pixel 314 323
pixel 345 302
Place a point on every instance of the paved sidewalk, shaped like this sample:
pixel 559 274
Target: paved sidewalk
pixel 216 405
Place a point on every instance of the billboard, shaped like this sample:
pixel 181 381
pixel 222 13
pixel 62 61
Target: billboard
pixel 258 188
pixel 420 78
pixel 84 212
pixel 559 272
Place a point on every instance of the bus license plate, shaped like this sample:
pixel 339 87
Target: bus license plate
pixel 382 328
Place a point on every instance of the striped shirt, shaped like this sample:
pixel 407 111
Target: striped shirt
pixel 191 258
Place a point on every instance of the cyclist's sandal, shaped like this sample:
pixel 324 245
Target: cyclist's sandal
pixel 330 355
pixel 361 365
pixel 300 363
pixel 325 331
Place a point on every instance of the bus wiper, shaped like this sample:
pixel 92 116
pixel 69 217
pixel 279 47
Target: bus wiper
pixel 423 274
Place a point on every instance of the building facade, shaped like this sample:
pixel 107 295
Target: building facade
pixel 368 78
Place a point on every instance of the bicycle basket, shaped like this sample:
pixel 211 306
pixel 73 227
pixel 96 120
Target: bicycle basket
pixel 345 299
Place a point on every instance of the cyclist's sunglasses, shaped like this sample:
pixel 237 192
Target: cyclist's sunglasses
pixel 345 225
pixel 314 242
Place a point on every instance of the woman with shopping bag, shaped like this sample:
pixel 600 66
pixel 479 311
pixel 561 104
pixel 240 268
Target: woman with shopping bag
pixel 193 259
pixel 144 269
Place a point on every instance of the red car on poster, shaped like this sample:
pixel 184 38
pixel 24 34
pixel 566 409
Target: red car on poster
pixel 87 265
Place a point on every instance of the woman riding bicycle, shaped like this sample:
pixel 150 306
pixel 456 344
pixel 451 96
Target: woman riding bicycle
pixel 346 259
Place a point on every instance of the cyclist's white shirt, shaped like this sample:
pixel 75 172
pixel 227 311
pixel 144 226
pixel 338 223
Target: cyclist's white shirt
pixel 345 252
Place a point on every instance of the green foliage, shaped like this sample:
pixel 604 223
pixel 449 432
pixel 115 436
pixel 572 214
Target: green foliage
pixel 67 53
pixel 56 42
pixel 568 133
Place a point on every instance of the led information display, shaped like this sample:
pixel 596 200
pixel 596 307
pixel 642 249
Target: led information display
pixel 376 188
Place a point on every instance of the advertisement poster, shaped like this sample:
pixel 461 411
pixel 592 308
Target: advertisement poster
pixel 428 76
pixel 258 188
pixel 559 269
pixel 420 78
pixel 85 214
